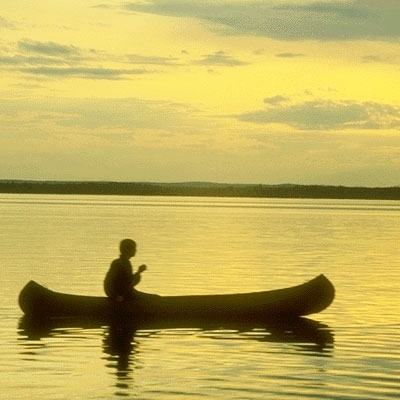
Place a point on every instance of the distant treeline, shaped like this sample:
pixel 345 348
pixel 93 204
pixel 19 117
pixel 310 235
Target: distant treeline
pixel 200 189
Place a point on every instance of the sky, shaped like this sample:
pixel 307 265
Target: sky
pixel 265 92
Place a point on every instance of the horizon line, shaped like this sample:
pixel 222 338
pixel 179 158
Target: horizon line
pixel 202 183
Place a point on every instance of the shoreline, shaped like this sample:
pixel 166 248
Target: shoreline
pixel 199 189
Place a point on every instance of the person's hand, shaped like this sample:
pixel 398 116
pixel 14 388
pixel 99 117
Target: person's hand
pixel 119 299
pixel 142 268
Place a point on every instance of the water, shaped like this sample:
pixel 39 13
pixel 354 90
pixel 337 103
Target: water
pixel 204 245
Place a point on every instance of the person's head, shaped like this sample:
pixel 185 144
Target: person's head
pixel 127 247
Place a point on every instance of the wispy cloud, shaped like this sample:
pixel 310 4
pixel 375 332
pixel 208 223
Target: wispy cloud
pixel 138 59
pixel 56 60
pixel 48 48
pixel 126 114
pixel 382 58
pixel 83 72
pixel 278 99
pixel 220 58
pixel 51 59
pixel 288 20
pixel 5 23
pixel 325 114
pixel 289 55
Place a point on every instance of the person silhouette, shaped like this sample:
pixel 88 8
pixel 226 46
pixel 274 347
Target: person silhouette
pixel 120 280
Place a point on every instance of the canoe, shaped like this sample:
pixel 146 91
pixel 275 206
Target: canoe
pixel 308 298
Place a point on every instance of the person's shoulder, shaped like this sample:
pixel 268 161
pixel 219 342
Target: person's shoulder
pixel 121 263
pixel 115 263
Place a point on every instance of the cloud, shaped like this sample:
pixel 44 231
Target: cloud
pixel 5 23
pixel 341 9
pixel 325 114
pixel 287 20
pixel 55 60
pixel 82 72
pixel 275 99
pixel 38 54
pixel 392 59
pixel 289 55
pixel 48 48
pixel 152 60
pixel 219 58
pixel 119 114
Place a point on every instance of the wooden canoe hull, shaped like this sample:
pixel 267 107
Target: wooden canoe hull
pixel 308 298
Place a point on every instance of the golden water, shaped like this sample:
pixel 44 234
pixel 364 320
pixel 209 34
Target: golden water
pixel 204 245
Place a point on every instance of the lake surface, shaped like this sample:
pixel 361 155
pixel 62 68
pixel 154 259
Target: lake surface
pixel 197 246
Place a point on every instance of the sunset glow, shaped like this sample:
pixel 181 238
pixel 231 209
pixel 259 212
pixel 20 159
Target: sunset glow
pixel 226 91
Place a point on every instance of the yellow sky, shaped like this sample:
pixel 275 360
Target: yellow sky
pixel 232 91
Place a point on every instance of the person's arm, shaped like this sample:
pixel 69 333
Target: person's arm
pixel 137 276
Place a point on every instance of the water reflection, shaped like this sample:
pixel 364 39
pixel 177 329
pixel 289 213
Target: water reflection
pixel 121 350
pixel 119 334
pixel 119 344
pixel 121 340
